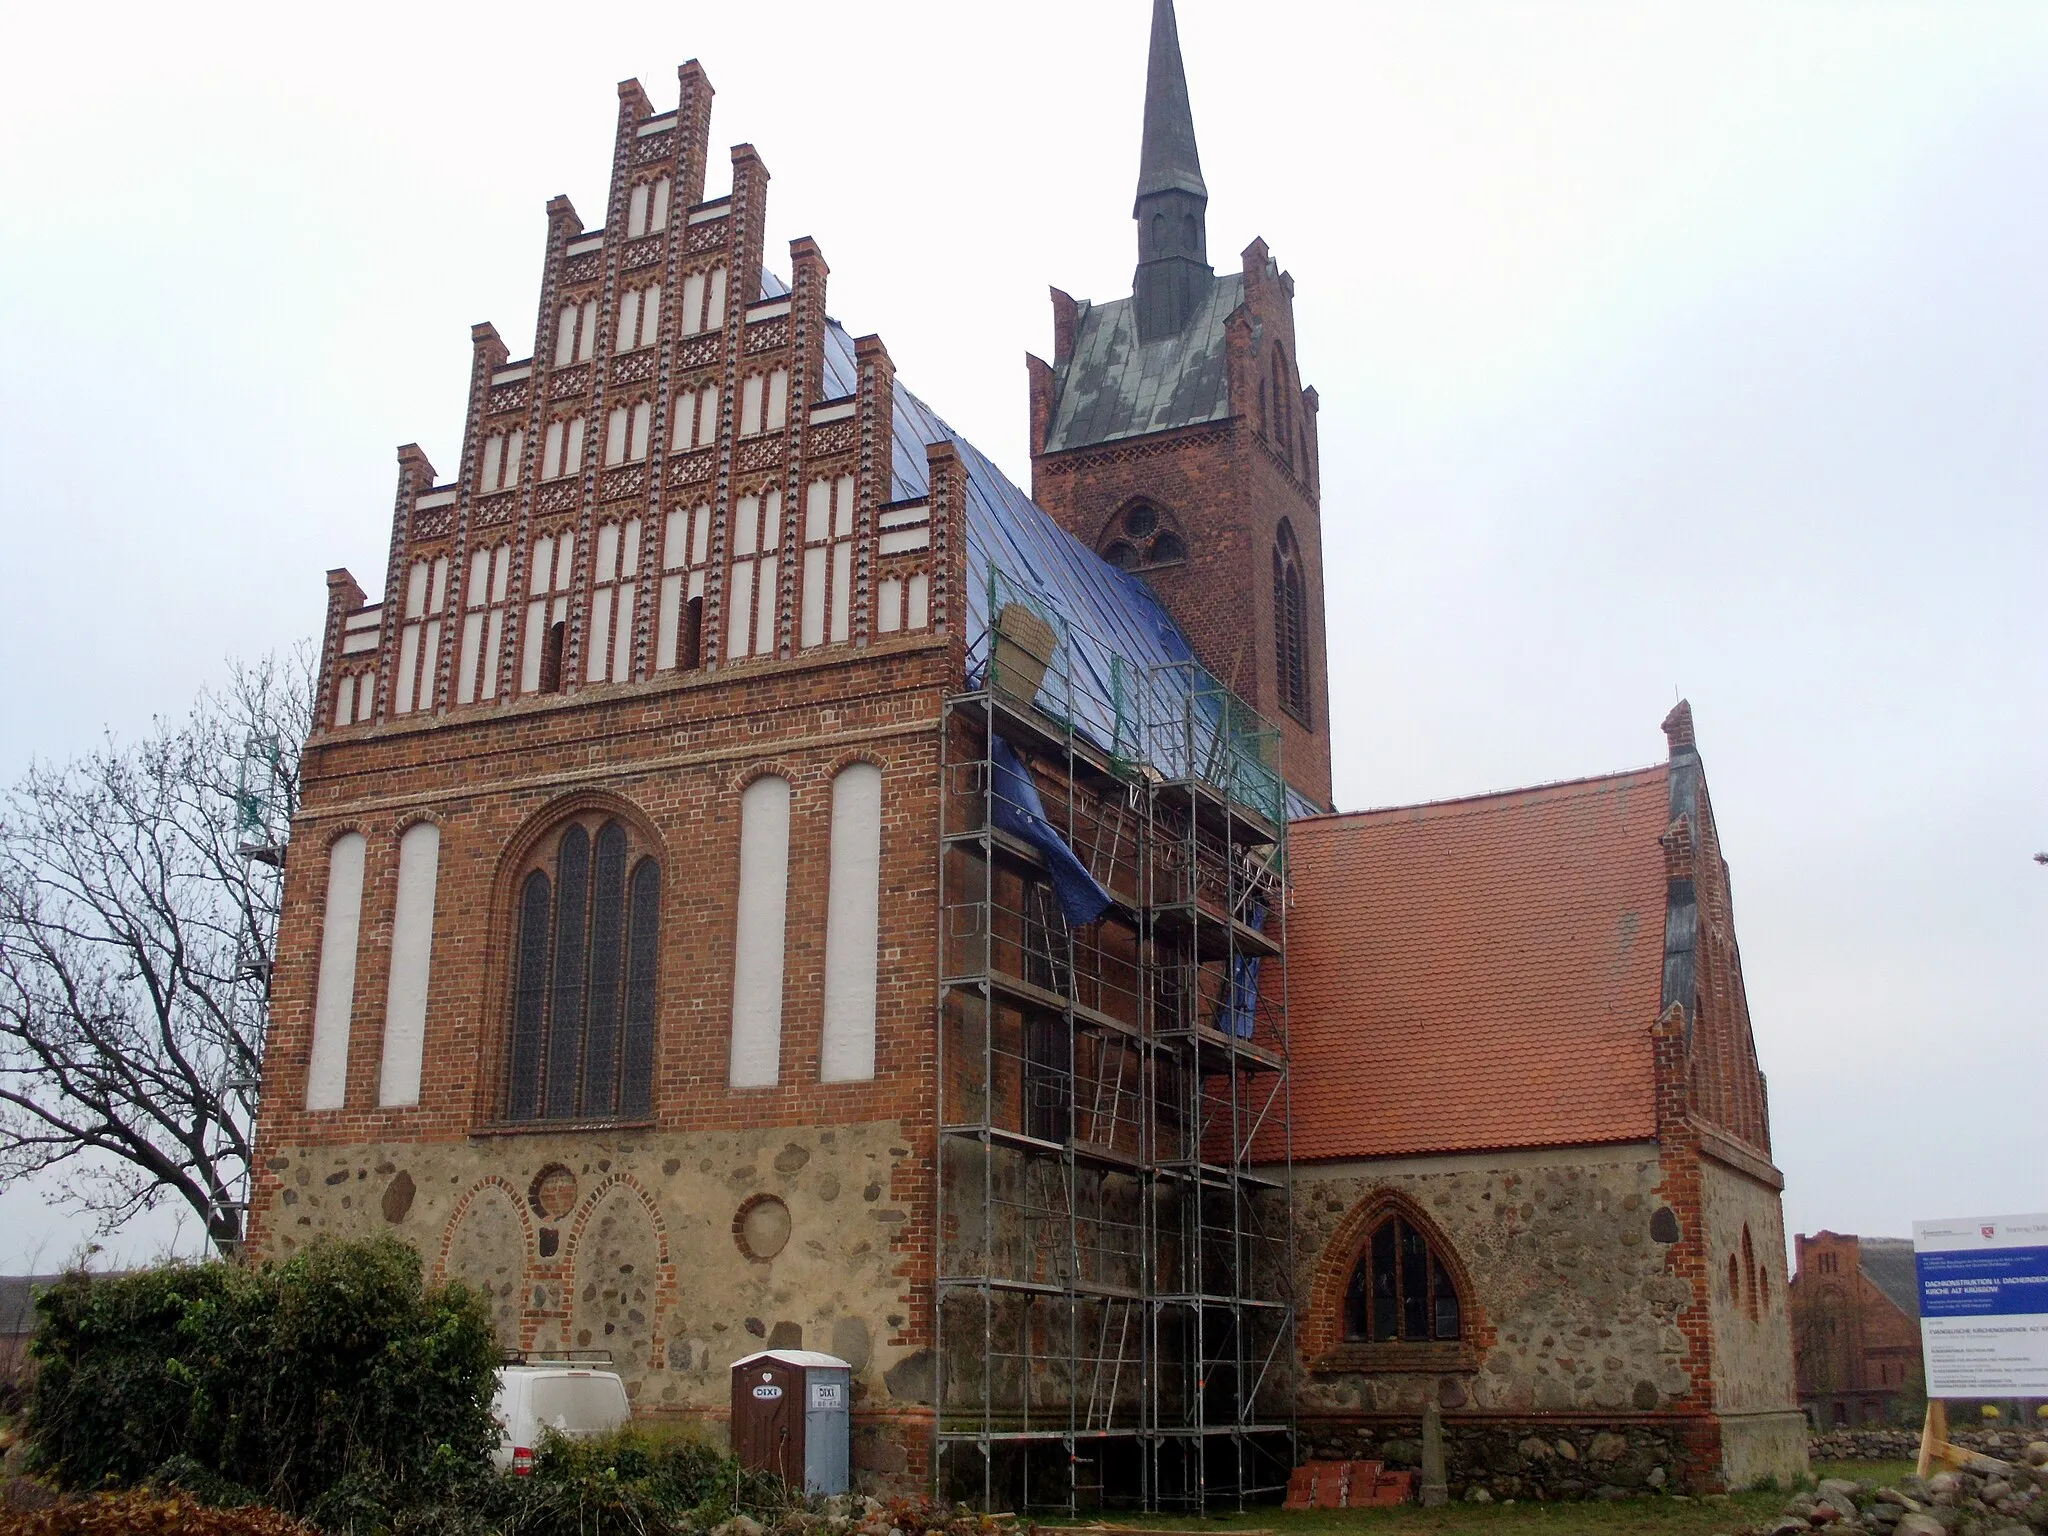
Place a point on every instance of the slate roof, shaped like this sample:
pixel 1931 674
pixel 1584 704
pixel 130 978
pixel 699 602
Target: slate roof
pixel 17 1303
pixel 1168 160
pixel 1115 386
pixel 1480 973
pixel 1887 1263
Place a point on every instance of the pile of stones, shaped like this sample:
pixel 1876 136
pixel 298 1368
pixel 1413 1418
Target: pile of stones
pixel 1904 1444
pixel 1485 1464
pixel 1989 1498
pixel 1866 1445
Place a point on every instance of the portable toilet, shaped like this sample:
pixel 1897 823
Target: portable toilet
pixel 792 1416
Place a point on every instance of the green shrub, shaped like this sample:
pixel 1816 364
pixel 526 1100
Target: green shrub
pixel 148 1514
pixel 637 1481
pixel 285 1379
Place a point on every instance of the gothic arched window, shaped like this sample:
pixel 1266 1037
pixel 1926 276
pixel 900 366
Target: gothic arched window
pixel 1290 624
pixel 1400 1291
pixel 587 922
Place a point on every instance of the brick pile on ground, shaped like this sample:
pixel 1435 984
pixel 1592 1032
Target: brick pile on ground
pixel 1990 1498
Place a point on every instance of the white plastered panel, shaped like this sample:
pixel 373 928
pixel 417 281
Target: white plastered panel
pixel 842 590
pixel 600 634
pixel 740 600
pixel 412 951
pixel 764 610
pixel 334 998
pixel 813 632
pixel 758 938
pixel 670 617
pixel 472 657
pixel 852 926
pixel 408 668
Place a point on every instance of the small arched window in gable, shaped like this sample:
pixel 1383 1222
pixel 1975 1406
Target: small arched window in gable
pixel 587 923
pixel 1748 1273
pixel 1290 624
pixel 1401 1291
pixel 1143 536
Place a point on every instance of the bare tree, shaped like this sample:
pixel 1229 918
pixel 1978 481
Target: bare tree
pixel 139 897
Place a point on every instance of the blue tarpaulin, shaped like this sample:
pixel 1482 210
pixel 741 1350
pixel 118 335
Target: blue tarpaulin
pixel 1123 673
pixel 1016 809
pixel 1241 1007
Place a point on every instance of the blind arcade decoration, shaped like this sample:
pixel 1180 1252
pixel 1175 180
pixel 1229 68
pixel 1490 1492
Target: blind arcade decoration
pixel 1984 1305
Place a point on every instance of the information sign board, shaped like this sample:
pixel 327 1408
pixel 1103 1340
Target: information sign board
pixel 1984 1305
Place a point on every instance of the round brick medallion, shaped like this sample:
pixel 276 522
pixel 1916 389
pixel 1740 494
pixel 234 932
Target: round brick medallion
pixel 553 1192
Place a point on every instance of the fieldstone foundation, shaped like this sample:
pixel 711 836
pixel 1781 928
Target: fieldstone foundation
pixel 1535 1460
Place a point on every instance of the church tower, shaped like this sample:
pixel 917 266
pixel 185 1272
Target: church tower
pixel 1171 434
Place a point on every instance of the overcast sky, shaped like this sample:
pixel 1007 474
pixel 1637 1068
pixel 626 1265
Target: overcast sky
pixel 1662 347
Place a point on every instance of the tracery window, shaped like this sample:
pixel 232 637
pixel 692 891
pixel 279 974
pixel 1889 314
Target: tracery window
pixel 1401 1292
pixel 1290 624
pixel 1140 537
pixel 587 924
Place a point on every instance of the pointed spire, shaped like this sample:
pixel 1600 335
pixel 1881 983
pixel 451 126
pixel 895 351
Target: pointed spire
pixel 1172 209
pixel 1168 162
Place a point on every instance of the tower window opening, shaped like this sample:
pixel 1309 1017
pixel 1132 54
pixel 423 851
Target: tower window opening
pixel 1290 625
pixel 693 635
pixel 551 658
pixel 1283 413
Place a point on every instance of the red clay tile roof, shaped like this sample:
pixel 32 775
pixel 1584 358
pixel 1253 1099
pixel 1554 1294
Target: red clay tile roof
pixel 1478 973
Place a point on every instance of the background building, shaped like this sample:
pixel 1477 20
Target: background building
pixel 1856 1330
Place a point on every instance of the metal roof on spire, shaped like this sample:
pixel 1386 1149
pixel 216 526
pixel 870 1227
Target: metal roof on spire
pixel 1168 162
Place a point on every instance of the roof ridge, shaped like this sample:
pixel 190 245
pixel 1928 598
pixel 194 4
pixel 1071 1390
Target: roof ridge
pixel 1475 801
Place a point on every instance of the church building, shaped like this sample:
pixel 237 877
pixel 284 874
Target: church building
pixel 764 881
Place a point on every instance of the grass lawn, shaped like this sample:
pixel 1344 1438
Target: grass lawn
pixel 1655 1517
pixel 1885 1474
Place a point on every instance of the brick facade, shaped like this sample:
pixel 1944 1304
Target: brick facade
pixel 646 1227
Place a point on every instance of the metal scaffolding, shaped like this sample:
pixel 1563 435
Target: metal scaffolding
pixel 1114 1294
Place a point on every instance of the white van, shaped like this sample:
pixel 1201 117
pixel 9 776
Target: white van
pixel 572 1400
